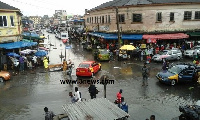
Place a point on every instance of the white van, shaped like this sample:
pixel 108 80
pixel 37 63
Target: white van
pixel 64 35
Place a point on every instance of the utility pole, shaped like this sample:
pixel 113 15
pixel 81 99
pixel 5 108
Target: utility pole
pixel 118 29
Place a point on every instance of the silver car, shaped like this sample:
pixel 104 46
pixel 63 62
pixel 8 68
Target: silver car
pixel 174 54
pixel 189 52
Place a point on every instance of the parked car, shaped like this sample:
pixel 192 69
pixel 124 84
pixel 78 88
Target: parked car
pixel 174 54
pixel 102 54
pixel 178 73
pixel 4 75
pixel 49 31
pixel 88 68
pixel 87 46
pixel 189 52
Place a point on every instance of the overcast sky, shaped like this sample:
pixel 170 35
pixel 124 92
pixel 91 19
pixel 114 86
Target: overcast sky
pixel 48 7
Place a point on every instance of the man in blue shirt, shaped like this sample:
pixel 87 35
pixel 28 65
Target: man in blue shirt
pixel 21 63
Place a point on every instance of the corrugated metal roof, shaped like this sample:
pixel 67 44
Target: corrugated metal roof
pixel 118 3
pixel 6 6
pixel 94 109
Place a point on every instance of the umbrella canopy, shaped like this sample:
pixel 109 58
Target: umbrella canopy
pixel 127 47
pixel 27 51
pixel 41 53
pixel 12 54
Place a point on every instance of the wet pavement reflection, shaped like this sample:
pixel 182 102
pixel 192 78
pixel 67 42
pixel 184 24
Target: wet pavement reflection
pixel 25 95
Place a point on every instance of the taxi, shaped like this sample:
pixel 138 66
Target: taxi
pixel 4 75
pixel 88 68
pixel 102 55
pixel 178 73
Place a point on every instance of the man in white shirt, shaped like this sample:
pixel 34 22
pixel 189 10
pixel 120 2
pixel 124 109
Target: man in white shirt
pixel 77 95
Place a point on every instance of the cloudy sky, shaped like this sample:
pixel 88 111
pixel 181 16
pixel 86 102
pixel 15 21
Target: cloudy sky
pixel 48 7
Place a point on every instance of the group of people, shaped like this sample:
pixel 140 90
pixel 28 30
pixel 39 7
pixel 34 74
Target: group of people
pixel 23 63
pixel 76 97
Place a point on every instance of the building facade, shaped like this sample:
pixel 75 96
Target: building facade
pixel 146 17
pixel 36 20
pixel 10 23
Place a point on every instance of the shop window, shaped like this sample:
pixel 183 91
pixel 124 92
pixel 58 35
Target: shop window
pixel 102 19
pixel 12 21
pixel 197 15
pixel 109 21
pixel 3 21
pixel 187 15
pixel 106 19
pixel 121 18
pixel 159 17
pixel 171 16
pixel 137 17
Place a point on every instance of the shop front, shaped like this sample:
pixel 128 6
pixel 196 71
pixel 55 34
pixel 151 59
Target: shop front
pixel 175 40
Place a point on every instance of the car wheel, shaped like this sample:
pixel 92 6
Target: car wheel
pixel 1 79
pixel 173 82
pixel 178 58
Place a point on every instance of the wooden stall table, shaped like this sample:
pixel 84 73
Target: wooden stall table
pixel 94 109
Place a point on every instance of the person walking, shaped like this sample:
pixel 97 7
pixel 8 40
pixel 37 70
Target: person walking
pixel 16 66
pixel 48 114
pixel 21 63
pixel 93 91
pixel 145 74
pixel 64 65
pixel 34 61
pixel 142 55
pixel 45 61
pixel 195 54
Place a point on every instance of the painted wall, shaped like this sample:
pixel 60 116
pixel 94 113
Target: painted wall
pixel 148 23
pixel 11 33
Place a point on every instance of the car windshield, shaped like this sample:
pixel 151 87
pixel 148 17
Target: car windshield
pixel 163 53
pixel 84 65
pixel 104 52
pixel 175 70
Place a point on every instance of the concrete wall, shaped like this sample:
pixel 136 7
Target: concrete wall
pixel 148 23
pixel 11 33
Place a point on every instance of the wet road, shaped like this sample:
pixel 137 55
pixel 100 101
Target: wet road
pixel 25 96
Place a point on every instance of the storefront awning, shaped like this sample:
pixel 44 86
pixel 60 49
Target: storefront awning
pixel 194 34
pixel 110 36
pixel 166 36
pixel 19 44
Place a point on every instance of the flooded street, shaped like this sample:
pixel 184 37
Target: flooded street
pixel 25 96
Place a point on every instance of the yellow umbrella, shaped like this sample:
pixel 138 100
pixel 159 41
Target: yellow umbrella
pixel 127 47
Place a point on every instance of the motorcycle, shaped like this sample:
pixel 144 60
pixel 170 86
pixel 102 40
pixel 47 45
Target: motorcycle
pixel 189 112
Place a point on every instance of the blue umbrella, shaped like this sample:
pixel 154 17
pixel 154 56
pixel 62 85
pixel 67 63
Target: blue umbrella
pixel 12 54
pixel 41 53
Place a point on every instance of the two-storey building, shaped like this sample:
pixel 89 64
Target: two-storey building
pixel 10 23
pixel 153 19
